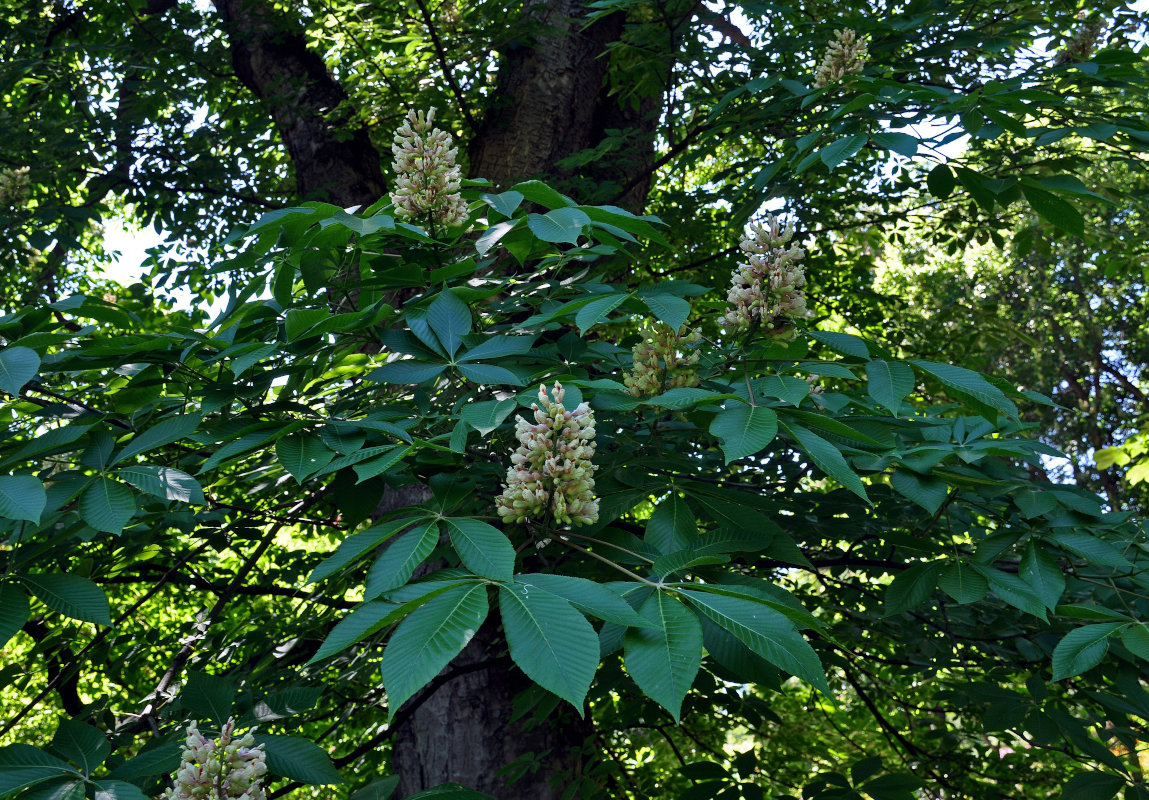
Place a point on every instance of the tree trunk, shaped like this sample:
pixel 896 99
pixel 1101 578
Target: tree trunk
pixel 461 729
pixel 551 103
pixel 332 162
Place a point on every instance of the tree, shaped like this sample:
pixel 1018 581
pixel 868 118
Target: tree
pixel 774 496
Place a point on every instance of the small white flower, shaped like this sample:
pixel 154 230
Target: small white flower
pixel 845 55
pixel 428 179
pixel 551 468
pixel 227 769
pixel 767 290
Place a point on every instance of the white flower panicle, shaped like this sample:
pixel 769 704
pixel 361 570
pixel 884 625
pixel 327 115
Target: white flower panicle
pixel 663 360
pixel 428 179
pixel 228 769
pixel 845 55
pixel 551 468
pixel 14 184
pixel 767 290
pixel 1081 45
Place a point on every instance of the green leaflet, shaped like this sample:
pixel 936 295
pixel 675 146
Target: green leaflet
pixel 550 641
pixel 664 659
pixel 428 639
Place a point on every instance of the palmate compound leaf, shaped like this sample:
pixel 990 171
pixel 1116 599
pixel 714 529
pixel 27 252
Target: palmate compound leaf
pixel 664 660
pixel 428 639
pixel 550 641
pixel 766 632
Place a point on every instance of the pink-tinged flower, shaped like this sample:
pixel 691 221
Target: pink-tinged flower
pixel 767 290
pixel 229 768
pixel 663 360
pixel 427 178
pixel 551 469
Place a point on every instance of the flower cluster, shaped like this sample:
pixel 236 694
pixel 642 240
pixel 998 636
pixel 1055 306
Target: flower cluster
pixel 1081 45
pixel 551 468
pixel 428 179
pixel 14 185
pixel 845 55
pixel 767 291
pixel 230 769
pixel 664 359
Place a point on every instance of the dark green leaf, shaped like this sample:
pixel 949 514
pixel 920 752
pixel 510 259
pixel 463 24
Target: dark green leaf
pixel 356 545
pixel 208 696
pixel 483 548
pixel 13 611
pixel 827 458
pixel 744 430
pixel 664 660
pixel 669 309
pixel 1082 649
pixel 83 745
pixel 428 639
pixel 165 432
pixel 300 760
pixel 766 632
pixel 1054 210
pixel 71 595
pixel 22 497
pixel 18 365
pixel 837 153
pixel 490 375
pixel 672 526
pixel 927 492
pixel 910 588
pixel 487 415
pixel 551 642
pixel 302 454
pixel 963 583
pixel 450 320
pixel 587 596
pixel 563 225
pixel 409 371
pixel 398 562
pixel 888 382
pixel 165 482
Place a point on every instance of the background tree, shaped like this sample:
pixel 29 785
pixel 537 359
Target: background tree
pixel 198 119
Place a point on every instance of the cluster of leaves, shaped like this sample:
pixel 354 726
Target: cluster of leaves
pixel 288 418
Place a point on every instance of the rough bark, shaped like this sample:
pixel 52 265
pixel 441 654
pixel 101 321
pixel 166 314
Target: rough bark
pixel 552 102
pixel 333 162
pixel 461 730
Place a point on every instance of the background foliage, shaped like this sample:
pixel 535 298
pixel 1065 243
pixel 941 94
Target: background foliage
pixel 898 556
